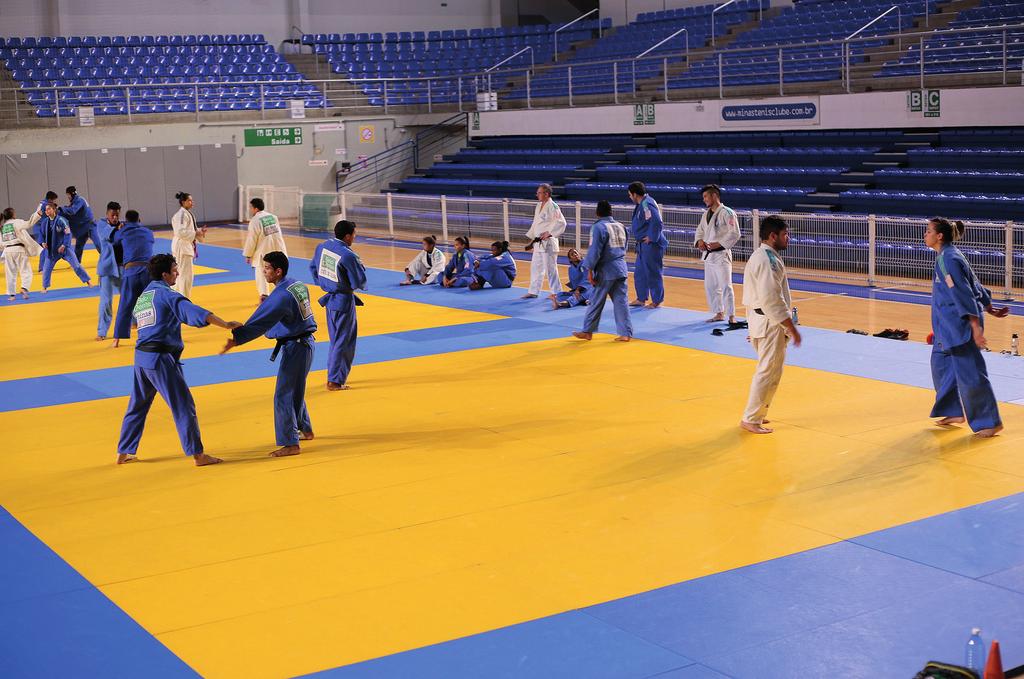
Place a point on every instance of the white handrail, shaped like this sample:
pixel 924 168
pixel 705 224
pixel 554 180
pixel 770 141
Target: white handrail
pixel 846 41
pixel 582 16
pixel 760 15
pixel 656 46
pixel 507 59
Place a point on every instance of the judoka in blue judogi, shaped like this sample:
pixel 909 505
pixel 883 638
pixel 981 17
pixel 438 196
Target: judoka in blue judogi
pixel 80 219
pixel 579 288
pixel 286 316
pixel 458 272
pixel 159 313
pixel 336 268
pixel 959 302
pixel 109 268
pixel 136 243
pixel 36 226
pixel 497 268
pixel 57 241
pixel 651 243
pixel 606 263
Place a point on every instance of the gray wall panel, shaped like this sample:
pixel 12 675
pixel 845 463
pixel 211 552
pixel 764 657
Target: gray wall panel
pixel 220 182
pixel 146 184
pixel 63 171
pixel 4 195
pixel 182 172
pixel 26 181
pixel 107 180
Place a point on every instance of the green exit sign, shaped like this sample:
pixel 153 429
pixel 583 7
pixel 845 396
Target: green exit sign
pixel 273 136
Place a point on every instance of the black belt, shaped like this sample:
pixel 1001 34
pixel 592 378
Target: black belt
pixel 160 348
pixel 758 312
pixel 285 340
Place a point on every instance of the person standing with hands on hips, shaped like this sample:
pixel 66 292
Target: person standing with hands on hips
pixel 650 248
pixel 548 225
pixel 767 298
pixel 963 391
pixel 185 244
pixel 717 233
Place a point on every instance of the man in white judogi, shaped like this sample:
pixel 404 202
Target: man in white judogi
pixel 264 236
pixel 548 225
pixel 18 246
pixel 718 232
pixel 768 301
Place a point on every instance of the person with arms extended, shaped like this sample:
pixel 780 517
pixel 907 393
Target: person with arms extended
pixel 18 247
pixel 81 220
pixel 286 315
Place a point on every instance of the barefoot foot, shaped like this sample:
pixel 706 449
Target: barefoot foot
pixel 989 433
pixel 623 338
pixel 305 436
pixel 755 428
pixel 583 335
pixel 285 451
pixel 637 302
pixel 125 458
pixel 334 386
pixel 946 421
pixel 202 459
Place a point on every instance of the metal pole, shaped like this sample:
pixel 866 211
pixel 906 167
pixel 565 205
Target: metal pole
pixel 323 93
pixel 391 218
pixel 664 73
pixel 615 80
pixel 56 105
pixel 633 65
pixel 926 13
pixel 780 72
pixel 263 104
pixel 195 89
pixel 1004 56
pixel 1009 260
pixel 872 240
pixel 430 103
pixel 444 218
pixel 579 222
pixel 128 101
pixel 721 94
pixel 504 216
pixel 460 94
pixel 570 87
pixel 529 104
pixel 386 97
pixel 17 114
pixel 344 208
pixel 922 63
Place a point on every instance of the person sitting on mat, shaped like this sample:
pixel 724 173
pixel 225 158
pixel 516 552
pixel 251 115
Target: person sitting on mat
pixel 426 266
pixel 579 287
pixel 497 268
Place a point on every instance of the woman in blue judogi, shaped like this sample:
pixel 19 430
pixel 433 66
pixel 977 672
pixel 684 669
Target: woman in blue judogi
pixel 606 267
pixel 286 316
pixel 648 274
pixel 497 268
pixel 337 269
pixel 57 241
pixel 159 313
pixel 458 272
pixel 579 287
pixel 959 301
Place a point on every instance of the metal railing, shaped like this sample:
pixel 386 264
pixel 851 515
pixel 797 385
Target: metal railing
pixel 846 42
pixel 861 249
pixel 796 68
pixel 760 16
pixel 600 32
pixel 686 56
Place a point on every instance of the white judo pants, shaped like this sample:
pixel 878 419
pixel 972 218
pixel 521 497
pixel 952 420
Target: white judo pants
pixel 718 283
pixel 544 264
pixel 771 357
pixel 185 276
pixel 17 264
pixel 419 270
pixel 262 286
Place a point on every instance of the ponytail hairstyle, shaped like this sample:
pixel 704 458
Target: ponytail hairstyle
pixel 464 240
pixel 502 246
pixel 430 240
pixel 8 214
pixel 950 231
pixel 182 196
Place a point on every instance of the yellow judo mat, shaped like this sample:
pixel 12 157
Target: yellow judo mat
pixel 450 494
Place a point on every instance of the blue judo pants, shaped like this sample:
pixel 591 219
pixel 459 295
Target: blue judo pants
pixel 69 257
pixel 133 283
pixel 341 328
pixel 962 386
pixel 497 279
pixel 167 379
pixel 82 237
pixel 616 289
pixel 572 298
pixel 648 274
pixel 290 413
pixel 108 284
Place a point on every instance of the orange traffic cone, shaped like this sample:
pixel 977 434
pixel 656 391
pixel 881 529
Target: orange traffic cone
pixel 994 665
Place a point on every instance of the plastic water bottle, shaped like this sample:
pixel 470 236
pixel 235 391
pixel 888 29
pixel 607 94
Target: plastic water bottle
pixel 1014 345
pixel 796 317
pixel 974 654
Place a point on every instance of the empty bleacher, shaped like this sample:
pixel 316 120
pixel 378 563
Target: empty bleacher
pixel 892 172
pixel 152 74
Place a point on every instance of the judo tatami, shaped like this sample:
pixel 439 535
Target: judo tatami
pixel 483 471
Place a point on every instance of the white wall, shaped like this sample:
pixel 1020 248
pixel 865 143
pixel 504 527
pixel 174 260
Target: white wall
pixel 871 110
pixel 273 18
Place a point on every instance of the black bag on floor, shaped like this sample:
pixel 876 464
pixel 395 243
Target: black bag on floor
pixel 941 670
